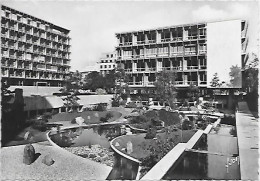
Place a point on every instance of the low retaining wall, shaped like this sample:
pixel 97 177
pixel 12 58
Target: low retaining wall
pixel 121 153
pixel 161 168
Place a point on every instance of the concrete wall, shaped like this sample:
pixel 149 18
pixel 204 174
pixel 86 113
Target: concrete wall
pixel 223 49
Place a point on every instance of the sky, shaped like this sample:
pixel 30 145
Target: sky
pixel 93 24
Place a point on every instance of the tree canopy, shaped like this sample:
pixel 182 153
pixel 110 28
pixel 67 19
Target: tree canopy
pixel 165 87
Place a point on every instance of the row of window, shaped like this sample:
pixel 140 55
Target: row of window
pixel 107 66
pixel 107 61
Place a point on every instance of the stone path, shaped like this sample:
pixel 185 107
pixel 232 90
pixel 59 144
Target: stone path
pixel 248 142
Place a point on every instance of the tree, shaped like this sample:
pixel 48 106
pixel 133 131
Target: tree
pixel 121 84
pixel 235 74
pixel 251 72
pixel 193 92
pixel 215 82
pixel 70 89
pixel 165 87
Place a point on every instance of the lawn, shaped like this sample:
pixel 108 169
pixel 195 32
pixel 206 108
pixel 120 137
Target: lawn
pixel 140 144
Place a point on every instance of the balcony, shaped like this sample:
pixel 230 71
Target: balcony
pixel 202 52
pixel 203 66
pixel 153 69
pixel 4 45
pixel 192 37
pixel 128 70
pixel 190 52
pixel 151 55
pixel 202 36
pixel 4 35
pixel 135 83
pixel 21 48
pixel 4 25
pixel 139 69
pixel 174 54
pixel 20 58
pixel 192 82
pixel 203 83
pixel 12 56
pixel 128 43
pixel 140 42
pixel 163 54
pixel 166 68
pixel 166 40
pixel 151 41
pixel 21 30
pixel 177 68
pixel 177 39
pixel 192 67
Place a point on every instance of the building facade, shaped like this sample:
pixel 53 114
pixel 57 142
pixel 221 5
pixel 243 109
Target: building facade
pixel 107 63
pixel 186 49
pixel 34 52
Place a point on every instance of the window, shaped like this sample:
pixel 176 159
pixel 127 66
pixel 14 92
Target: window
pixel 101 66
pixel 109 66
pixel 110 60
pixel 105 66
pixel 106 61
pixel 111 55
pixel 107 56
pixel 114 66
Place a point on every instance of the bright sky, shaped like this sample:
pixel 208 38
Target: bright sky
pixel 93 24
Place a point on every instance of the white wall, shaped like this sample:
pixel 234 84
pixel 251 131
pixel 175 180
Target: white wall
pixel 223 49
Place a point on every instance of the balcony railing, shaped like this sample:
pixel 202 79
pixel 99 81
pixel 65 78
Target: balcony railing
pixel 203 66
pixel 163 54
pixel 178 82
pixel 151 55
pixel 128 70
pixel 176 68
pixel 190 52
pixel 151 41
pixel 128 43
pixel 140 69
pixel 202 51
pixel 152 69
pixel 192 67
pixel 140 42
pixel 177 39
pixel 192 37
pixel 203 83
pixel 176 53
pixel 4 35
pixel 165 40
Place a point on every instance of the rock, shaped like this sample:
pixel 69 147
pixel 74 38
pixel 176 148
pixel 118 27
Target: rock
pixel 97 159
pixel 96 115
pixel 47 160
pixel 92 155
pixel 28 154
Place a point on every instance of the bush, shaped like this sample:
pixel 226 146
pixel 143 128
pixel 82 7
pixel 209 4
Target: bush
pixel 109 115
pixel 131 105
pixel 103 120
pixel 139 119
pixel 40 125
pixel 73 121
pixel 151 133
pixel 100 107
pixel 115 103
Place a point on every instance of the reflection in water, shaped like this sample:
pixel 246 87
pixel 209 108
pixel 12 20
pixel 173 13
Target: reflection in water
pixel 193 166
pixel 100 135
pixel 123 169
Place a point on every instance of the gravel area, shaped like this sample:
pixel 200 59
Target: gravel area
pixel 67 166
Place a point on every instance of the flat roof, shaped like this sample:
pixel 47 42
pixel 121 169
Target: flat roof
pixel 173 26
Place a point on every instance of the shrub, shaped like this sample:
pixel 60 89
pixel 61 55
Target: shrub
pixel 109 115
pixel 115 103
pixel 131 105
pixel 73 121
pixel 100 107
pixel 151 133
pixel 103 120
pixel 40 125
pixel 139 119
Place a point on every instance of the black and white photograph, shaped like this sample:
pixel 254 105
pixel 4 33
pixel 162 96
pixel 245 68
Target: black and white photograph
pixel 129 90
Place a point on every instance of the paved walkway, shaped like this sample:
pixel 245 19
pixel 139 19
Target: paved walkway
pixel 248 142
pixel 67 166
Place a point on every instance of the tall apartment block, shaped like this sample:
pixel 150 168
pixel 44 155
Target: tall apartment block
pixel 191 50
pixel 107 63
pixel 34 51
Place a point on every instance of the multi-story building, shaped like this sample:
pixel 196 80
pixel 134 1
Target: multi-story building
pixel 191 50
pixel 34 51
pixel 107 63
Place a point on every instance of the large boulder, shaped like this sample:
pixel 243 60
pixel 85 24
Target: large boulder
pixel 47 160
pixel 28 154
